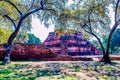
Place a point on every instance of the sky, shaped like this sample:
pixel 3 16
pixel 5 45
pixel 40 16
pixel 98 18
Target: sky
pixel 40 31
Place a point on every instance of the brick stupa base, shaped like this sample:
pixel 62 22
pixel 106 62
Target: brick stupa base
pixel 72 45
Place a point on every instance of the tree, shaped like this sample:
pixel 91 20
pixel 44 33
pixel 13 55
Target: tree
pixel 100 9
pixel 17 25
pixel 101 20
pixel 32 39
pixel 106 58
pixel 6 24
pixel 79 18
pixel 23 13
pixel 117 22
pixel 90 16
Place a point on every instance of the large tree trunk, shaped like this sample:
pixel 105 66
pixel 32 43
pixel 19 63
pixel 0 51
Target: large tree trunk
pixel 9 47
pixel 106 58
pixel 14 34
pixel 7 54
pixel 9 43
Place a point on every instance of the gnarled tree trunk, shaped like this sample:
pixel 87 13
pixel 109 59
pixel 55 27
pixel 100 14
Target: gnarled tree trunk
pixel 9 44
pixel 7 54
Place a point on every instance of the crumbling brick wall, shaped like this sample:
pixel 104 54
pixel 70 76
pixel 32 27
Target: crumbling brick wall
pixel 22 51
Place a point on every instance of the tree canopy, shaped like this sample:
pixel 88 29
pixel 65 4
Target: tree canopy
pixel 4 35
pixel 25 9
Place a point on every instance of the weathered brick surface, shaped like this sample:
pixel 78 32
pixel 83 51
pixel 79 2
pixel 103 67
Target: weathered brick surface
pixel 73 45
pixel 27 52
pixel 39 52
pixel 68 46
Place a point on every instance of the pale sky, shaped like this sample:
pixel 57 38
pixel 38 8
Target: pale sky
pixel 40 30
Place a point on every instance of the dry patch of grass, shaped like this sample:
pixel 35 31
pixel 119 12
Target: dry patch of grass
pixel 60 70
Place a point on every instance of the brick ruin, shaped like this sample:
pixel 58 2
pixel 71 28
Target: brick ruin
pixel 66 48
pixel 72 45
pixel 22 51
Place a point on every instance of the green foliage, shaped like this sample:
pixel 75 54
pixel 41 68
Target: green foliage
pixel 75 16
pixel 105 40
pixel 62 32
pixel 6 8
pixel 32 39
pixel 51 16
pixel 22 37
pixel 46 17
pixel 115 42
pixel 4 35
pixel 24 9
pixel 116 38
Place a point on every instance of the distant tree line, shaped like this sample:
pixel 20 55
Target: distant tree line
pixel 32 39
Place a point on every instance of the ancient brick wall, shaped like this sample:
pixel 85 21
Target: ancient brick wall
pixel 27 52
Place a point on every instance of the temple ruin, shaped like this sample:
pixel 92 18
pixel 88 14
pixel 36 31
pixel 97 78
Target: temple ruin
pixel 73 45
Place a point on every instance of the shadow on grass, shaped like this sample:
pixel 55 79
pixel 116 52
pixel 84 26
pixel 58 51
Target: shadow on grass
pixel 47 72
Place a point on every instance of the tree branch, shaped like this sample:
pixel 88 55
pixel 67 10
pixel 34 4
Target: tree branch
pixel 88 31
pixel 113 29
pixel 35 10
pixel 31 12
pixel 30 6
pixel 103 49
pixel 116 10
pixel 89 21
pixel 20 13
pixel 44 2
pixel 10 20
pixel 41 3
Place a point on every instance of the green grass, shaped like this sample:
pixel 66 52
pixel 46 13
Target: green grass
pixel 60 71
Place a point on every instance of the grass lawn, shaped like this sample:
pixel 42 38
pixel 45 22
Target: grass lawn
pixel 61 70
